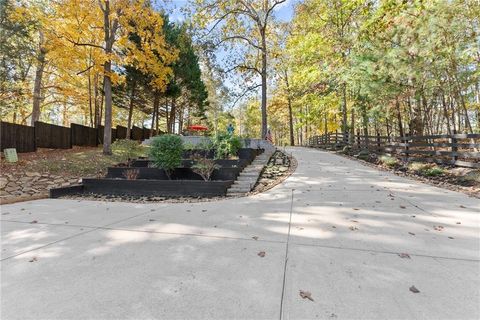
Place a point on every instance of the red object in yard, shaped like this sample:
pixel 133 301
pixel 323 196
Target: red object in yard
pixel 197 128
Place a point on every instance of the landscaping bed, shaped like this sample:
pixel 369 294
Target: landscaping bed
pixel 280 166
pixel 465 180
pixel 141 187
pixel 148 173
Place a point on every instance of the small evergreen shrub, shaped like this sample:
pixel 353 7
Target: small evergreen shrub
pixel 226 146
pixel 389 161
pixel 166 152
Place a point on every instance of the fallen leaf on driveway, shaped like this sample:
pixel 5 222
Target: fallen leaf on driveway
pixel 261 254
pixel 414 290
pixel 305 295
pixel 404 255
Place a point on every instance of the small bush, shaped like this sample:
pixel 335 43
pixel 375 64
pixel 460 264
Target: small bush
pixel 363 154
pixel 204 167
pixel 127 150
pixel 226 146
pixel 433 172
pixel 389 161
pixel 426 169
pixel 166 152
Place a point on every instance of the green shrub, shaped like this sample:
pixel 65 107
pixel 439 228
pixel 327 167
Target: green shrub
pixel 434 171
pixel 203 166
pixel 427 169
pixel 389 161
pixel 166 152
pixel 226 146
pixel 127 150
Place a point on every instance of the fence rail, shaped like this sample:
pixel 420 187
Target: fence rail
pixel 455 149
pixel 45 135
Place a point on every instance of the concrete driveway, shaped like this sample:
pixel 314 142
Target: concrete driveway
pixel 355 238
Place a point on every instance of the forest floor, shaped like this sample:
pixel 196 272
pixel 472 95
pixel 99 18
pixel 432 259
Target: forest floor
pixel 464 180
pixel 37 172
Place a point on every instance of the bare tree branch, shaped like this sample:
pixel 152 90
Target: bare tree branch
pixel 244 93
pixel 250 42
pixel 241 66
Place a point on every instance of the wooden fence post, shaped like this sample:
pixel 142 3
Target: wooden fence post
pixel 378 141
pixel 404 140
pixel 358 139
pixel 454 146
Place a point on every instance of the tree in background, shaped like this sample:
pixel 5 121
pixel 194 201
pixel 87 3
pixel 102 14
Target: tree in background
pixel 241 26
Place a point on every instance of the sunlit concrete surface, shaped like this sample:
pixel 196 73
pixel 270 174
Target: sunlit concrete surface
pixel 335 228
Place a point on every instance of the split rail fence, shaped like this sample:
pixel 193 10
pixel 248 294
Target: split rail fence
pixel 45 135
pixel 449 149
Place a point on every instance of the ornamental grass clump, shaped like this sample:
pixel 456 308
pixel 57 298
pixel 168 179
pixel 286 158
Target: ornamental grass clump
pixel 166 152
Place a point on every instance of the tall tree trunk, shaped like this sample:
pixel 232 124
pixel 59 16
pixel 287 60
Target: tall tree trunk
pixel 130 110
pixel 109 28
pixel 264 82
pixel 156 102
pixel 290 112
pixel 399 118
pixel 173 110
pixel 90 100
pixel 352 127
pixel 37 88
pixel 344 110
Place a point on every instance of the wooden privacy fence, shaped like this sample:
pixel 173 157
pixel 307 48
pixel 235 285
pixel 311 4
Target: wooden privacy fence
pixel 455 149
pixel 44 135
pixel 17 136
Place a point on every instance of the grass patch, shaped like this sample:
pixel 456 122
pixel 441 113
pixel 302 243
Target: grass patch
pixel 389 161
pixel 426 169
pixel 76 162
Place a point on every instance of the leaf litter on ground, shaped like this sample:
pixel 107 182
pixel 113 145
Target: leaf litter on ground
pixel 306 295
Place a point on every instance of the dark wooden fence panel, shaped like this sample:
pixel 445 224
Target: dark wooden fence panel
pixel 146 133
pixel 456 149
pixel 44 135
pixel 121 132
pixel 137 133
pixel 52 136
pixel 17 136
pixel 83 135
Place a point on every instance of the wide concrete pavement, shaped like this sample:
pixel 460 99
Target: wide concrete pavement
pixel 335 228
